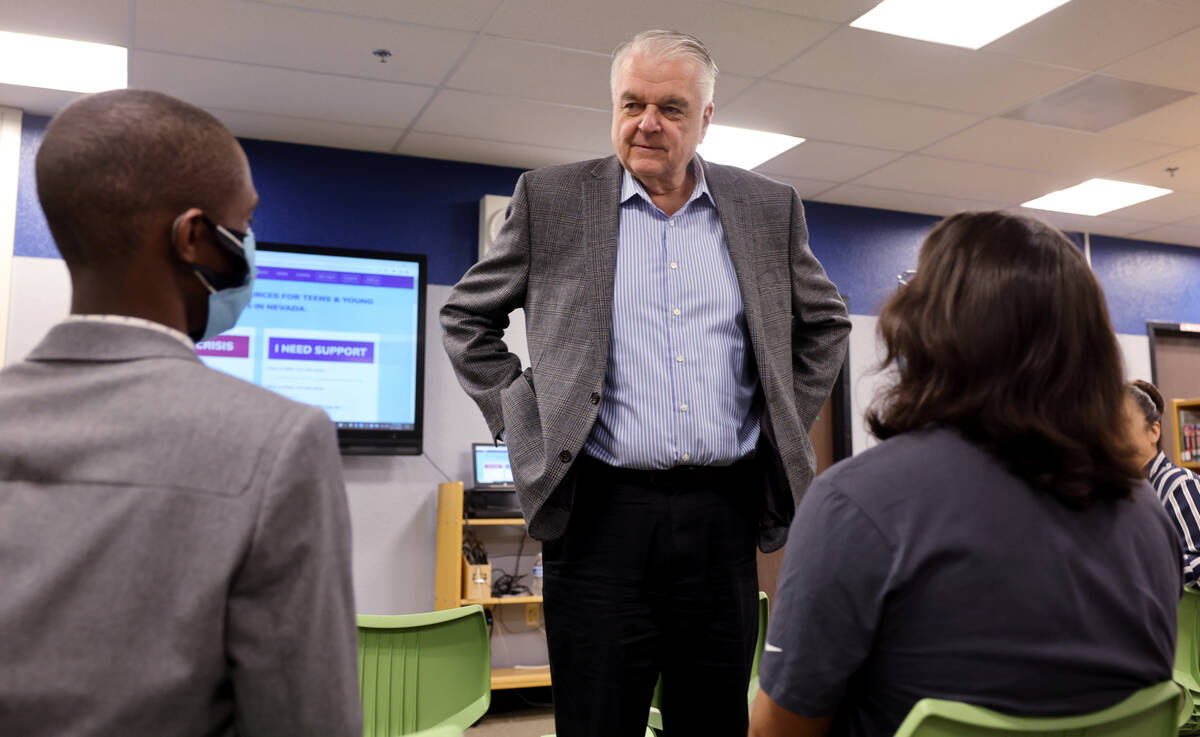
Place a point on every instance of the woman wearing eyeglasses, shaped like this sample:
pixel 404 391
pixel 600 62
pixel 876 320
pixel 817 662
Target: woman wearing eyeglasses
pixel 1000 547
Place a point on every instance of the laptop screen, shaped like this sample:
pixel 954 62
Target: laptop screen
pixel 492 469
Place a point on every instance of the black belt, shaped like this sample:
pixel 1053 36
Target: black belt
pixel 674 477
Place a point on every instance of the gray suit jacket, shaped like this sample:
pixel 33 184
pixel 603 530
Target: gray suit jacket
pixel 174 548
pixel 556 257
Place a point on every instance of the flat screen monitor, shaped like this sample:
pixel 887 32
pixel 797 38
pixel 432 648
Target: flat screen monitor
pixel 492 468
pixel 339 329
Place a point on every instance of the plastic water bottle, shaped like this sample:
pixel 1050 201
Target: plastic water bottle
pixel 536 585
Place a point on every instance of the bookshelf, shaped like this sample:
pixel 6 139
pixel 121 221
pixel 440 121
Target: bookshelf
pixel 1186 416
pixel 448 577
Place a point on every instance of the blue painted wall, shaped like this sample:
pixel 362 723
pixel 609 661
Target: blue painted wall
pixel 353 199
pixel 1147 281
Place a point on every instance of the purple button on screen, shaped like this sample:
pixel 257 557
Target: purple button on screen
pixel 300 349
pixel 225 346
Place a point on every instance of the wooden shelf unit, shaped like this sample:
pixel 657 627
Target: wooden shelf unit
pixel 448 591
pixel 1185 412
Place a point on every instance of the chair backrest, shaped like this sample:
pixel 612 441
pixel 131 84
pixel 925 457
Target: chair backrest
pixel 1151 712
pixel 764 609
pixel 1187 657
pixel 418 671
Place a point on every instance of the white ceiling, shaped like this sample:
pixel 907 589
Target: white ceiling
pixel 890 122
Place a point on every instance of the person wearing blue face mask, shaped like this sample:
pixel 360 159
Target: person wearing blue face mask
pixel 174 542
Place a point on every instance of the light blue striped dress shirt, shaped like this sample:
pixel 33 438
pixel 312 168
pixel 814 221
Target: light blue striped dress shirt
pixel 682 387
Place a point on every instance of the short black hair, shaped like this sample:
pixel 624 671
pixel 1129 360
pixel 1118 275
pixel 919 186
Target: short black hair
pixel 111 162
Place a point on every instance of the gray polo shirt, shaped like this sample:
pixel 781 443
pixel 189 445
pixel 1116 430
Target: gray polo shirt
pixel 923 568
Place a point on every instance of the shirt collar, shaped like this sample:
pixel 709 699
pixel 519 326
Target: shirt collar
pixel 1157 464
pixel 630 186
pixel 136 322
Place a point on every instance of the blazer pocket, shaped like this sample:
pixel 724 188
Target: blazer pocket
pixel 522 425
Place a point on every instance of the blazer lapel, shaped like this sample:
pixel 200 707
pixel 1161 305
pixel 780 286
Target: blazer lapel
pixel 736 219
pixel 602 218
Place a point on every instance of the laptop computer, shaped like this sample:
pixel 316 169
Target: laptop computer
pixel 493 493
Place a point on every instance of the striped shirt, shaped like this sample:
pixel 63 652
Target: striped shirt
pixel 682 387
pixel 1179 491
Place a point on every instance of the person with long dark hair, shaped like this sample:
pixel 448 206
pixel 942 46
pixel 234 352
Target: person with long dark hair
pixel 1000 546
pixel 1178 488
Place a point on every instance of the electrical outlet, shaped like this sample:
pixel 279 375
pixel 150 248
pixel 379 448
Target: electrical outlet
pixel 533 615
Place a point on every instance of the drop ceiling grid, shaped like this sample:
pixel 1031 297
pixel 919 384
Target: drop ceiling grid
pixel 302 51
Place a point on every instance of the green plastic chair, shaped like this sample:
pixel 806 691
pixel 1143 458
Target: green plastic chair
pixel 1187 659
pixel 1151 712
pixel 418 671
pixel 655 719
pixel 447 731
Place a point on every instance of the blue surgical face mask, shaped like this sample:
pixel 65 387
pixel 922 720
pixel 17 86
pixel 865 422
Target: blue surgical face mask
pixel 227 296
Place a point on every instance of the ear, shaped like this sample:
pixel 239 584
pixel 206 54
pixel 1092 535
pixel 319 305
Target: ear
pixel 705 119
pixel 1156 431
pixel 186 234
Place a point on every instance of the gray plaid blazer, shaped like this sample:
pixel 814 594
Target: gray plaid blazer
pixel 556 257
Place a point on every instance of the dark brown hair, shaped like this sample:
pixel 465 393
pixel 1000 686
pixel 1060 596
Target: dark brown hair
pixel 111 162
pixel 1004 334
pixel 1149 401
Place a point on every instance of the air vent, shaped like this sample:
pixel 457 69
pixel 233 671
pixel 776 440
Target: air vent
pixel 1096 103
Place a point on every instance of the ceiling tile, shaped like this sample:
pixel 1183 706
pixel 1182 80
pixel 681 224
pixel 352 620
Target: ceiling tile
pixel 806 188
pixel 1178 124
pixel 501 66
pixel 1074 154
pixel 1098 225
pixel 838 11
pixel 903 69
pixel 98 21
pixel 1091 34
pixel 298 39
pixel 455 148
pixel 311 132
pixel 893 199
pixel 256 89
pixel 1172 63
pixel 1169 208
pixel 962 179
pixel 473 115
pixel 1154 173
pixel 1181 235
pixel 830 161
pixel 742 40
pixel 729 87
pixel 841 117
pixel 468 15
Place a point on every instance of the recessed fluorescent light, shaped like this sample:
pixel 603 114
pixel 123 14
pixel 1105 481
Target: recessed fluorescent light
pixel 724 144
pixel 1096 197
pixel 967 23
pixel 61 64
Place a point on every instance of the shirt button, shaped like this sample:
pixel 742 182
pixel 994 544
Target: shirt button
pixel 686 457
pixel 674 265
pixel 671 223
pixel 679 359
pixel 565 456
pixel 675 312
pixel 595 397
pixel 682 408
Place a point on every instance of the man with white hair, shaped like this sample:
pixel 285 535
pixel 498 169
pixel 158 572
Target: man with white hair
pixel 682 338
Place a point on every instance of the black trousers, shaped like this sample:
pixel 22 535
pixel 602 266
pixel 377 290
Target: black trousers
pixel 656 573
